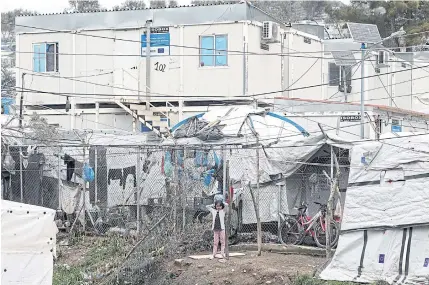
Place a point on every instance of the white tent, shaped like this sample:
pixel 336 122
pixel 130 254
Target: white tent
pixel 28 240
pixel 385 227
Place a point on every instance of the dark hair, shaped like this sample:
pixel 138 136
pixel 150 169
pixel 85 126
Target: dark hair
pixel 219 203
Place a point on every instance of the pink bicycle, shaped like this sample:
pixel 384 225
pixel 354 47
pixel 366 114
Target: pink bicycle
pixel 295 228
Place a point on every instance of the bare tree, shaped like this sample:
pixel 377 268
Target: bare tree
pixel 172 3
pixel 41 130
pixel 131 4
pixel 8 24
pixel 83 6
pixel 158 4
pixel 7 79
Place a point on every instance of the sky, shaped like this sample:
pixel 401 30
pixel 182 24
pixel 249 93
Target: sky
pixel 56 6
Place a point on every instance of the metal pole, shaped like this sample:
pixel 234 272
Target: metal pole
pixel 84 189
pixel 279 205
pixel 244 67
pixel 20 174
pixel 259 228
pixel 59 182
pixel 228 211
pixel 21 100
pixel 332 163
pixel 148 22
pixel 224 171
pixel 138 174
pixel 183 194
pixel 95 176
pixel 362 93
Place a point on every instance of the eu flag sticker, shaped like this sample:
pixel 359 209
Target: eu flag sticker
pixel 381 258
pixel 426 264
pixel 160 50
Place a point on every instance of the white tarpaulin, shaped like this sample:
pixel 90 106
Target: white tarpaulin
pixel 28 240
pixel 385 227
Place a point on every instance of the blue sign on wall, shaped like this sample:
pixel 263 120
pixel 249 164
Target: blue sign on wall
pixel 159 42
pixel 396 129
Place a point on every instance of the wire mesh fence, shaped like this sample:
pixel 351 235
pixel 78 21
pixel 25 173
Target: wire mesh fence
pixel 158 195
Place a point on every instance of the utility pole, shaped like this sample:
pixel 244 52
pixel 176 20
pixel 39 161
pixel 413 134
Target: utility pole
pixel 148 24
pixel 362 93
pixel 21 100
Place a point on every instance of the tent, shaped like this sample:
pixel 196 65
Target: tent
pixel 385 226
pixel 287 148
pixel 28 241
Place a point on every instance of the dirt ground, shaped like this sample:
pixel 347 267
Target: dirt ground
pixel 270 268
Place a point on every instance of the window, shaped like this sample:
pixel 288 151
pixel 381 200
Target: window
pixel 382 57
pixel 334 74
pixel 45 57
pixel 214 50
pixel 345 80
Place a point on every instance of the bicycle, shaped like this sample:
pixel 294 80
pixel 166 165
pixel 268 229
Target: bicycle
pixel 294 229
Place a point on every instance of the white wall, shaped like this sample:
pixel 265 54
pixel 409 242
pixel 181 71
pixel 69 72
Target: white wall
pixel 393 81
pixel 96 75
pixel 305 67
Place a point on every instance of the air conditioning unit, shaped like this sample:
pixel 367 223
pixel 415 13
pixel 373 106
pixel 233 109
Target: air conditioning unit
pixel 270 31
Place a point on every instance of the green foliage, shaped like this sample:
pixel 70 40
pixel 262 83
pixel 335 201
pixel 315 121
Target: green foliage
pixel 103 252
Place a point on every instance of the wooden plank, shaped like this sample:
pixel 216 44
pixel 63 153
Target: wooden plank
pixel 207 256
pixel 279 248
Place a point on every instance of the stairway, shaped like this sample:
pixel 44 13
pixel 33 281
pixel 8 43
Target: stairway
pixel 150 120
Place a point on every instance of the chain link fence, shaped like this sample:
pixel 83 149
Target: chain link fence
pixel 158 195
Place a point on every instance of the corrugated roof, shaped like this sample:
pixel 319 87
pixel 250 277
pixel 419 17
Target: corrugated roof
pixel 115 10
pixel 131 19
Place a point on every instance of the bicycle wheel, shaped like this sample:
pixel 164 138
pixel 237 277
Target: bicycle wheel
pixel 291 232
pixel 320 235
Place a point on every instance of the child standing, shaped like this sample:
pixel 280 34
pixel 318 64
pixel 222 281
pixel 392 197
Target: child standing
pixel 218 227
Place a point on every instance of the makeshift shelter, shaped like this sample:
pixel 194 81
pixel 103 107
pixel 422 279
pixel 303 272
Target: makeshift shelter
pixel 28 242
pixel 233 133
pixel 385 226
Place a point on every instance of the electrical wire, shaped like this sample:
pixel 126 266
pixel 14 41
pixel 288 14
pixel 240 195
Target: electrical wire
pixel 139 41
pixel 236 96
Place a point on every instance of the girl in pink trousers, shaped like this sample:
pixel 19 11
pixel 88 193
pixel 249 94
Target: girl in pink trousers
pixel 218 227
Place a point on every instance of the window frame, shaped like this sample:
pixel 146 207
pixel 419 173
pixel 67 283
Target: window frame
pixel 337 80
pixel 55 57
pixel 213 55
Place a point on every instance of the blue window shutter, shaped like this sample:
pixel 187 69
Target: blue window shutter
pixel 221 50
pixel 42 58
pixel 207 45
pixel 36 64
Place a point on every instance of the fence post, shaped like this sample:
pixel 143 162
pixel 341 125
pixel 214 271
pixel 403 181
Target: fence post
pixel 20 174
pixel 279 205
pixel 59 182
pixel 139 176
pixel 95 176
pixel 229 208
pixel 84 189
pixel 258 218
pixel 183 193
pixel 175 184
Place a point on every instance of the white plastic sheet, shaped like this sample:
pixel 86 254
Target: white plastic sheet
pixel 385 227
pixel 28 242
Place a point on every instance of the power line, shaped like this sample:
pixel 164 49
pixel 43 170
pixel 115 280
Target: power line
pixel 236 96
pixel 190 47
pixel 358 135
pixel 230 53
